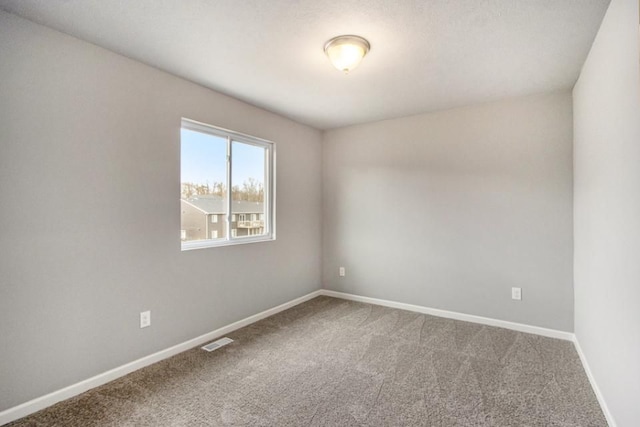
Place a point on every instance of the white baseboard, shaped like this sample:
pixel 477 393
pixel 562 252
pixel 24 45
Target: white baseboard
pixel 520 327
pixel 552 333
pixel 42 402
pixel 594 385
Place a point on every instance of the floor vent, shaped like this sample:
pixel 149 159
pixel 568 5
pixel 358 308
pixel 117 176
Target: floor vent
pixel 217 344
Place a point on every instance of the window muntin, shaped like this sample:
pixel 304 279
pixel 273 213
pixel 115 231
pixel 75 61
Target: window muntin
pixel 214 160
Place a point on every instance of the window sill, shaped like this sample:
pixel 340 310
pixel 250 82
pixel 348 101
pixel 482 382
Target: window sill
pixel 203 244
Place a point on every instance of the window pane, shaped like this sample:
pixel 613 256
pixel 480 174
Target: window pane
pixel 203 177
pixel 248 191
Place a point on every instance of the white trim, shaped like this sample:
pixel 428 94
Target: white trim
pixel 218 131
pixel 42 402
pixel 520 327
pixel 603 405
pixel 216 243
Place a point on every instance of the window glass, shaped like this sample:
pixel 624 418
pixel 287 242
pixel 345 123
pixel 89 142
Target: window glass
pixel 248 177
pixel 203 171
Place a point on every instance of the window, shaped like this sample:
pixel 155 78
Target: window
pixel 228 177
pixel 255 231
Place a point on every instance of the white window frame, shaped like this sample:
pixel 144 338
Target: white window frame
pixel 269 186
pixel 214 218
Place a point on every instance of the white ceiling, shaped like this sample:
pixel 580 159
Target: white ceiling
pixel 425 55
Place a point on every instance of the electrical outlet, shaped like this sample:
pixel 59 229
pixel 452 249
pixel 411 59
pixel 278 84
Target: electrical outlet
pixel 145 319
pixel 342 272
pixel 516 293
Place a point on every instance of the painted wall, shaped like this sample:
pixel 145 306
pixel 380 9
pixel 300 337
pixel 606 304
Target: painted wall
pixel 90 213
pixel 607 211
pixel 451 209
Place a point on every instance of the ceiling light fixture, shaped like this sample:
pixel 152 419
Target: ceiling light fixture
pixel 346 52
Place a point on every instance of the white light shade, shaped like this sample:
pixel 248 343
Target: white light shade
pixel 346 52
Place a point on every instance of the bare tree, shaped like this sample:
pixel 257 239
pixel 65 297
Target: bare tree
pixel 251 190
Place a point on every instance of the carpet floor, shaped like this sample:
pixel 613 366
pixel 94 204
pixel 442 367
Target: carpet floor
pixel 330 362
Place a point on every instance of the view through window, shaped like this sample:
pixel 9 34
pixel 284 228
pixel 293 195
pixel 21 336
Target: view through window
pixel 213 161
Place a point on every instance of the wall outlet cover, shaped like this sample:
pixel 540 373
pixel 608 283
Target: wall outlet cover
pixel 145 319
pixel 516 293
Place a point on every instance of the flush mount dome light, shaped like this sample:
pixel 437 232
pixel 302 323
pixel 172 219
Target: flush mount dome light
pixel 346 52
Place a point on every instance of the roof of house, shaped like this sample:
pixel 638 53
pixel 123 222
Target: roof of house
pixel 217 205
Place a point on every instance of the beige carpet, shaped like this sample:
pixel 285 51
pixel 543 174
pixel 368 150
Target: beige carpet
pixel 338 363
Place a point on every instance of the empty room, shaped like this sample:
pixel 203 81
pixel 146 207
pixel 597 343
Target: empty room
pixel 320 213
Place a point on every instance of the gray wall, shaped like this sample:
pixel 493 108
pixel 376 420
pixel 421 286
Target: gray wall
pixel 89 154
pixel 450 210
pixel 607 211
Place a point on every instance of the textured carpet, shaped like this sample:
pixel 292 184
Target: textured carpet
pixel 339 363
